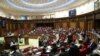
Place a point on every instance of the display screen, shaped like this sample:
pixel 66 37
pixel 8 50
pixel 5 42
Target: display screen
pixel 23 17
pixel 44 24
pixel 21 41
pixel 2 41
pixel 72 12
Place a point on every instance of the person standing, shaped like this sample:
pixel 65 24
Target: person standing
pixel 13 46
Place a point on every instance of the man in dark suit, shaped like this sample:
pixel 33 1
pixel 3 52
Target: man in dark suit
pixel 70 38
pixel 74 50
pixel 63 53
pixel 92 45
pixel 54 48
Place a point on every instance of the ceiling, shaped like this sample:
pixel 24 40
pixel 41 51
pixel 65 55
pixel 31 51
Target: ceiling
pixel 38 7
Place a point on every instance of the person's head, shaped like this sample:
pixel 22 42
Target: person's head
pixel 92 40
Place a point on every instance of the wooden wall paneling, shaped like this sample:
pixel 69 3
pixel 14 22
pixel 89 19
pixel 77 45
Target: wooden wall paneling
pixel 29 25
pixel 67 26
pixel 57 25
pixel 25 25
pixel 14 27
pixel 82 22
pixel 77 22
pixel 72 24
pixel 90 19
pixel 64 25
pixel 19 26
pixel 97 24
pixel 94 17
pixel 81 25
pixel 68 23
pixel 97 16
pixel 90 25
pixel 10 26
pixel 32 25
pixel 86 23
pixel 7 26
pixel 60 23
pixel 91 16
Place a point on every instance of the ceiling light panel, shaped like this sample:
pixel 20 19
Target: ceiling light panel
pixel 39 5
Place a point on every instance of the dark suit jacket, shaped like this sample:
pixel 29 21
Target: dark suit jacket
pixel 93 46
pixel 74 51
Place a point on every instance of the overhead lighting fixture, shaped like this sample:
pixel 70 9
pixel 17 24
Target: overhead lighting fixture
pixel 38 5
pixel 39 9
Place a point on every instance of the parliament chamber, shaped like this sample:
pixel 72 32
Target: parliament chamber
pixel 35 32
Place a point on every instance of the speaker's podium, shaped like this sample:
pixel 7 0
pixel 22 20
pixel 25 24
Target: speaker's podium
pixel 30 41
pixel 8 40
